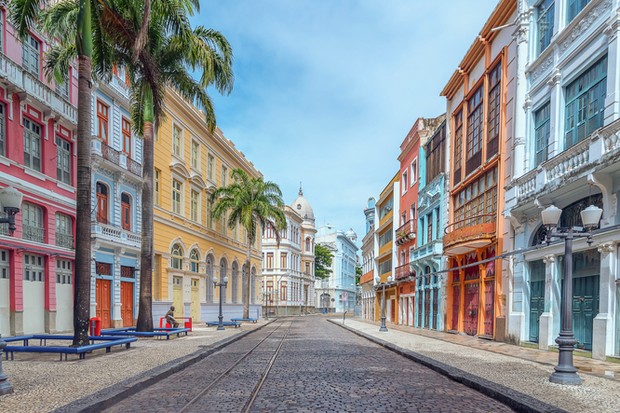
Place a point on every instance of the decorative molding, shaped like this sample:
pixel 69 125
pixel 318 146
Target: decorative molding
pixel 606 248
pixel 584 24
pixel 541 68
pixel 549 259
pixel 555 78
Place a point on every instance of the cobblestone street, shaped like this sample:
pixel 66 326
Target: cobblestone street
pixel 321 367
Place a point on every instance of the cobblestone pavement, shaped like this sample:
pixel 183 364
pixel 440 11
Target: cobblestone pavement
pixel 520 369
pixel 320 368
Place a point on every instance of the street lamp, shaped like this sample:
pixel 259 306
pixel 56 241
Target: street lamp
pixel 565 372
pixel 220 326
pixel 11 201
pixel 383 327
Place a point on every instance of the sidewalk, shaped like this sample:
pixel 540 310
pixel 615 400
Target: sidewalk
pixel 42 383
pixel 516 368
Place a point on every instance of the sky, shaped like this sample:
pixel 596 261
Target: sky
pixel 326 90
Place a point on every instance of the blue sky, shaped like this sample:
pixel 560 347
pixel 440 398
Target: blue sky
pixel 326 90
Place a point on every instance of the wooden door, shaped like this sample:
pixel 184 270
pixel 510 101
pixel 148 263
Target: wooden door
pixel 470 318
pixel 177 296
pixel 585 308
pixel 456 298
pixel 489 307
pixel 195 306
pixel 103 302
pixel 435 308
pixel 537 307
pixel 127 303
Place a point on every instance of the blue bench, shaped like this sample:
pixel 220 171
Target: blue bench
pixel 253 320
pixel 157 332
pixel 224 323
pixel 97 342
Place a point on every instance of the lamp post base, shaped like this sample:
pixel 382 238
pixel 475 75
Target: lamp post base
pixel 565 372
pixel 383 328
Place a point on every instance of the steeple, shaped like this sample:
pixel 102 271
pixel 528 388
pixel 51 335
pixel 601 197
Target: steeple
pixel 301 192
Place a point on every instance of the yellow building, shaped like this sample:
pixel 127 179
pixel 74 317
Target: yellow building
pixel 190 247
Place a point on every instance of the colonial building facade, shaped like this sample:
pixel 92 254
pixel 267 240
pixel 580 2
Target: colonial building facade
pixel 191 247
pixel 567 155
pixel 367 280
pixel 288 265
pixel 480 99
pixel 37 157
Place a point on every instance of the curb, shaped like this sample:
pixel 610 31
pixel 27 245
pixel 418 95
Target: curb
pixel 109 396
pixel 516 400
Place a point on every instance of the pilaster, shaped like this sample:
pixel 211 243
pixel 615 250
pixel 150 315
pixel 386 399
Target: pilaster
pixel 548 321
pixel 603 335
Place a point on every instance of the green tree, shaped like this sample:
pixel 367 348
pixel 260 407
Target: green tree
pixel 358 274
pixel 164 58
pixel 88 29
pixel 323 257
pixel 254 204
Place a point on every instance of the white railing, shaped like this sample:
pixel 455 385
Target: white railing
pixel 120 86
pixel 10 71
pixel 117 234
pixel 567 161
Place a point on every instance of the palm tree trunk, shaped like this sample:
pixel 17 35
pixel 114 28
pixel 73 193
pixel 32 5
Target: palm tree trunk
pixel 247 286
pixel 145 310
pixel 81 300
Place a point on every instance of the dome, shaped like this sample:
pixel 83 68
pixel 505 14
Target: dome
pixel 351 235
pixel 302 206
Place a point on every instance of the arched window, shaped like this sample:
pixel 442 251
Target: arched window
pixel 126 211
pixel 209 271
pixel 176 257
pixel 223 273
pixel 194 260
pixel 102 203
pixel 234 282
pixel 308 244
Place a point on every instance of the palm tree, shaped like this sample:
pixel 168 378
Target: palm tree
pixel 88 30
pixel 254 204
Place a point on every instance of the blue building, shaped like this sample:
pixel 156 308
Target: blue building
pixel 116 201
pixel 426 258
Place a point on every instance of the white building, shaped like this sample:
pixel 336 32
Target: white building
pixel 566 153
pixel 338 292
pixel 288 266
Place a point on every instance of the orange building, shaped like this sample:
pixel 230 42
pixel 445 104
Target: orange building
pixel 480 107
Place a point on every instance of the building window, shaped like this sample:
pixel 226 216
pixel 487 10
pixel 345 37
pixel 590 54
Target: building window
pixel 386 208
pixel 103 268
pixel 32 145
pixel 405 180
pixel 195 206
pixel 544 23
pixel 477 202
pixel 63 88
pixel 5 264
pixel 224 175
pixel 176 257
pixel 34 267
pixel 102 120
pixel 2 127
pixel 177 189
pixel 385 266
pixel 128 272
pixel 308 268
pixel 32 222
pixel 126 211
pixel 283 260
pixel 574 7
pixel 495 100
pixel 385 238
pixel 102 203
pixel 63 161
pixel 64 231
pixel 127 137
pixel 195 155
pixel 210 166
pixel 194 261
pixel 209 272
pixel 209 217
pixel 585 103
pixel 473 148
pixel 177 141
pixel 414 171
pixel 31 54
pixel 434 154
pixel 458 146
pixel 283 291
pixel 64 271
pixel 269 261
pixel 429 228
pixel 542 133
pixel 156 182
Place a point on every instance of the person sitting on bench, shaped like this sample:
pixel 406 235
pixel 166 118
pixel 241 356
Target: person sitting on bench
pixel 170 318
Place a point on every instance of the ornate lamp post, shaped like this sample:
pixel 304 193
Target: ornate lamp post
pixel 565 372
pixel 11 201
pixel 383 328
pixel 224 283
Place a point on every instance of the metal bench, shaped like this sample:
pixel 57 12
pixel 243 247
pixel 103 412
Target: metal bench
pixel 107 342
pixel 252 320
pixel 157 332
pixel 224 323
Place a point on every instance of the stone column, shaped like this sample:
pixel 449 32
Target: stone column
pixel 521 35
pixel 602 337
pixel 547 320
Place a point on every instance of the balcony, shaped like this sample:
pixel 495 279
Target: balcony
pixel 64 240
pixel 120 161
pixel 18 80
pixel 433 248
pixel 600 149
pixel 33 233
pixel 404 271
pixel 469 234
pixel 116 235
pixel 406 233
pixel 367 277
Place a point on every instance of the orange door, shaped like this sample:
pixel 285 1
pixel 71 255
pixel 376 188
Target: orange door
pixel 127 303
pixel 103 302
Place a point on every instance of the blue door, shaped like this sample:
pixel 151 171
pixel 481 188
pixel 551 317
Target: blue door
pixel 585 308
pixel 537 307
